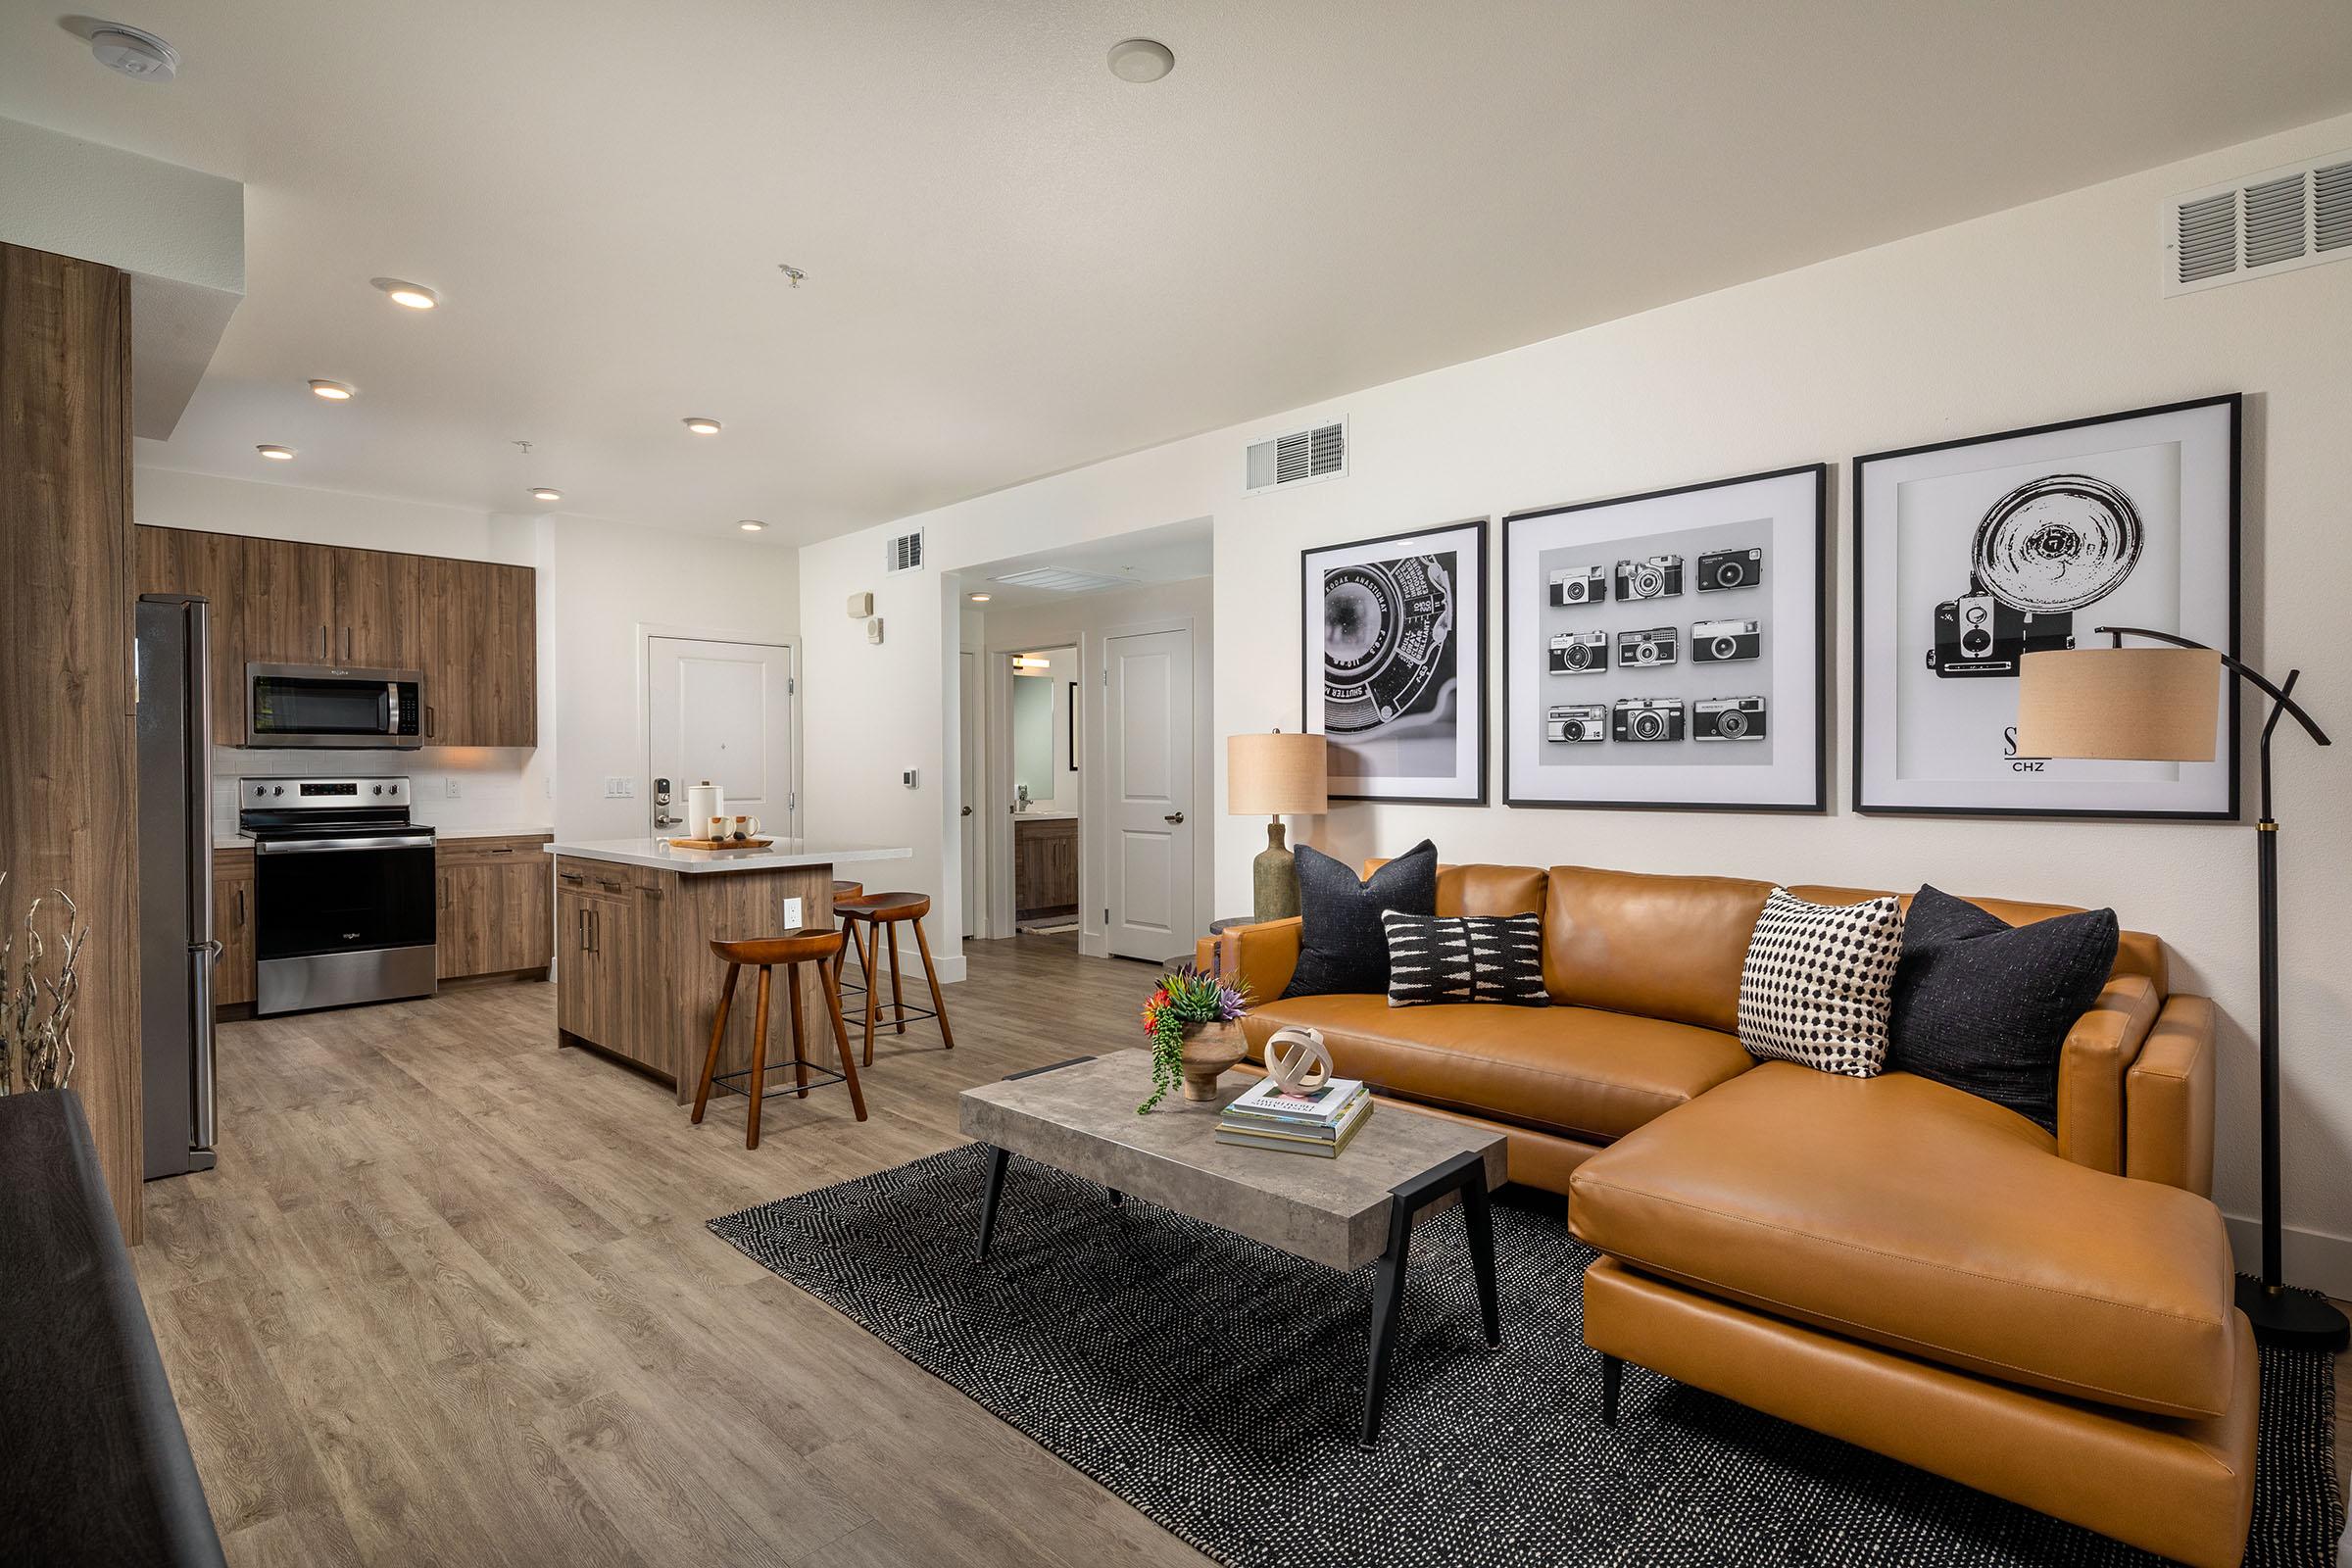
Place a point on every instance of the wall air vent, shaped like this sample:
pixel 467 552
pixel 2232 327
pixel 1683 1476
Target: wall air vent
pixel 2273 221
pixel 1297 456
pixel 903 552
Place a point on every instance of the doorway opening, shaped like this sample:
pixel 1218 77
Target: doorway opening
pixel 1087 746
pixel 721 712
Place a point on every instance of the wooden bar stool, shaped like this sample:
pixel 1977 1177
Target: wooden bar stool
pixel 821 949
pixel 881 915
pixel 844 889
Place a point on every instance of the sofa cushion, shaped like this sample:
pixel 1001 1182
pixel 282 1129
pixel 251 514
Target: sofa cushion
pixel 2140 953
pixel 1918 1218
pixel 1987 1007
pixel 1819 981
pixel 1663 947
pixel 1465 958
pixel 1340 944
pixel 1571 1070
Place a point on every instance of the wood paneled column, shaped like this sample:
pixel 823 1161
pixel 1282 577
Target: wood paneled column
pixel 68 708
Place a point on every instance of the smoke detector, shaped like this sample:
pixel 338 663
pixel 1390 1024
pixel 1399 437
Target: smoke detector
pixel 136 53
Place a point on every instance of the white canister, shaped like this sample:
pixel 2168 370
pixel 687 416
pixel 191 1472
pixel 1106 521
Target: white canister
pixel 703 802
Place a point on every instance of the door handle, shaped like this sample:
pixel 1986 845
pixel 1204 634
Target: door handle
pixel 968 811
pixel 1174 816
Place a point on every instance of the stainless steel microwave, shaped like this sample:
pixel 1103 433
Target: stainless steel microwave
pixel 325 706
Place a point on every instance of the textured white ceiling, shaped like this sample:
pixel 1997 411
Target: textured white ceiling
pixel 1018 264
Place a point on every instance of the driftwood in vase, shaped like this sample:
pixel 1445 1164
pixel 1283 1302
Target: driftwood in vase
pixel 36 1036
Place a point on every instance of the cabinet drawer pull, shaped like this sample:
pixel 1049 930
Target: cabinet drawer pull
pixel 240 906
pixel 570 877
pixel 504 850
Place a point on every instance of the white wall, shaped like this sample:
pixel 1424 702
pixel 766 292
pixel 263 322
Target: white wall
pixel 602 586
pixel 2046 311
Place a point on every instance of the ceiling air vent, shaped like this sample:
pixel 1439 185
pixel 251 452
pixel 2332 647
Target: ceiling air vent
pixel 903 552
pixel 2273 221
pixel 1299 457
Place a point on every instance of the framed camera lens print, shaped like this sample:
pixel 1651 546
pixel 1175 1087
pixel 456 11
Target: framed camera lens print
pixel 1666 651
pixel 1395 664
pixel 1969 554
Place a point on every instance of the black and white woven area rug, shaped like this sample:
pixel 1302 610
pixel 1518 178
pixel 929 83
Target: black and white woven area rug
pixel 1215 1383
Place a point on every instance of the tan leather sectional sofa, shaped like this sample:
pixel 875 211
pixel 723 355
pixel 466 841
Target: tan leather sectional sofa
pixel 1889 1260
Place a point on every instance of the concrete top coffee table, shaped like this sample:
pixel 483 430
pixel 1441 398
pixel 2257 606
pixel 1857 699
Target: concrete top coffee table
pixel 1358 1209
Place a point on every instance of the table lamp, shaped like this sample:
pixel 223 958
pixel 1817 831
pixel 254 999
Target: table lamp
pixel 1275 775
pixel 2159 705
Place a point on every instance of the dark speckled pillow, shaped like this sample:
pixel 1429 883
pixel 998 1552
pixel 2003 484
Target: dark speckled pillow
pixel 1343 948
pixel 1986 1006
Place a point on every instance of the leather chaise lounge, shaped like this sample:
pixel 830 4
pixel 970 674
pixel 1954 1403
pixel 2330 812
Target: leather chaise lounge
pixel 1889 1260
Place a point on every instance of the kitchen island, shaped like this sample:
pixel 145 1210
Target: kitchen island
pixel 635 977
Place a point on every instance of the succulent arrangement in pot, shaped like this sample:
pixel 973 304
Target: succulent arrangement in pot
pixel 1193 1022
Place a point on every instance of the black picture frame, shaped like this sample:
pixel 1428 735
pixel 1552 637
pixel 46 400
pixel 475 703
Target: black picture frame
pixel 1470 658
pixel 1817 689
pixel 1863 608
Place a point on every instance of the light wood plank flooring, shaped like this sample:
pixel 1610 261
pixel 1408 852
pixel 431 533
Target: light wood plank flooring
pixel 448 1298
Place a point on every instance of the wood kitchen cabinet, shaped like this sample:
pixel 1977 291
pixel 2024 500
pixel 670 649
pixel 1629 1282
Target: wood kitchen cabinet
pixel 492 914
pixel 478 648
pixel 185 561
pixel 375 621
pixel 289 603
pixel 607 994
pixel 232 927
pixel 471 626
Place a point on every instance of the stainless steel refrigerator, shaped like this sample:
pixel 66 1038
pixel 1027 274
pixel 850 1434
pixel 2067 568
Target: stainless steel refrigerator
pixel 177 949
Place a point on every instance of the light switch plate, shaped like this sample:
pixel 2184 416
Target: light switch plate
pixel 792 914
pixel 620 787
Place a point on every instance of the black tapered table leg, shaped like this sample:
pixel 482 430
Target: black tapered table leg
pixel 998 1159
pixel 1116 1197
pixel 1388 1307
pixel 1611 1372
pixel 1478 1223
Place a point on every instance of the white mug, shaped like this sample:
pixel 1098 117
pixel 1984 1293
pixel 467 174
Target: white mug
pixel 746 827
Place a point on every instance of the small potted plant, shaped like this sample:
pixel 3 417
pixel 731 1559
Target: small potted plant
pixel 1193 1022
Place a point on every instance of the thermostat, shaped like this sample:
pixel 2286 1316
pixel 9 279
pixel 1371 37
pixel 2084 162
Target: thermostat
pixel 908 778
pixel 860 606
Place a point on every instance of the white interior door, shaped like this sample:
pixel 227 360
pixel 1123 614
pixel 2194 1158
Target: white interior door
pixel 1147 728
pixel 722 711
pixel 969 720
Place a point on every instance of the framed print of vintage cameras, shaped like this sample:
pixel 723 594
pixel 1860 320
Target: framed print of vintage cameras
pixel 1969 554
pixel 1667 652
pixel 1395 664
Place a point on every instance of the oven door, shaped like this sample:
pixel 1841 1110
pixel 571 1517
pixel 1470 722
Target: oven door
pixel 311 705
pixel 339 920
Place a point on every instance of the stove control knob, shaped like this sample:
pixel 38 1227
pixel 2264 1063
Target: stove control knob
pixel 261 789
pixel 379 789
pixel 277 789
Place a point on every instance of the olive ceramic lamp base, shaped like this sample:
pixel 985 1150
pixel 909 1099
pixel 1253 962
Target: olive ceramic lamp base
pixel 1274 878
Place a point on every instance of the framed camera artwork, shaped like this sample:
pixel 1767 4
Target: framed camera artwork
pixel 1969 554
pixel 1394 667
pixel 1667 650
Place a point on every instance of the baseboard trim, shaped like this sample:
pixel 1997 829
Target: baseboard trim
pixel 950 965
pixel 2313 1258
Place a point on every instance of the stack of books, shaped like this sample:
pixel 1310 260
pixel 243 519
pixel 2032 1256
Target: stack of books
pixel 1314 1121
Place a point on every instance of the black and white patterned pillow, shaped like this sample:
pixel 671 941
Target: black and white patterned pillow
pixel 1477 958
pixel 1819 982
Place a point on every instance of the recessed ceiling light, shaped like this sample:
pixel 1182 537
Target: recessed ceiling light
pixel 751 525
pixel 276 454
pixel 543 493
pixel 701 425
pixel 415 296
pixel 1142 59
pixel 979 599
pixel 334 391
pixel 133 51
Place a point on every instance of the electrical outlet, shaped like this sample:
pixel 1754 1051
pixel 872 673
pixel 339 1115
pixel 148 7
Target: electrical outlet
pixel 450 787
pixel 619 787
pixel 792 914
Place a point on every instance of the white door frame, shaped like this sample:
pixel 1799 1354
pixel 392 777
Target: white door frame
pixel 645 632
pixel 971 741
pixel 997 913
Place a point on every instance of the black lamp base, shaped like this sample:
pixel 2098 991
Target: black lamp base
pixel 2290 1318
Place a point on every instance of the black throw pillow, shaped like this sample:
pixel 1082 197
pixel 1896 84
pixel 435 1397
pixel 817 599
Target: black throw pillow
pixel 1342 944
pixel 1984 1006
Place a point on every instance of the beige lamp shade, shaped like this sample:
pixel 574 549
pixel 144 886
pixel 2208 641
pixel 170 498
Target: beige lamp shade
pixel 1276 775
pixel 2142 705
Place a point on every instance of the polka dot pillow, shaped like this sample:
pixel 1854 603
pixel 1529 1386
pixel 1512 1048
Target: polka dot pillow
pixel 1819 982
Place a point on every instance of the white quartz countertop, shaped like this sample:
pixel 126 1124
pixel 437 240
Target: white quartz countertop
pixel 782 853
pixel 1044 816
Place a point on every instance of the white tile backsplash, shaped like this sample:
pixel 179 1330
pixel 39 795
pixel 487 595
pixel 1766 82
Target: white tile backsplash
pixel 491 782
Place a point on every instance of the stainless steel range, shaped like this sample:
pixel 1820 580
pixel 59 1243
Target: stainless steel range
pixel 343 895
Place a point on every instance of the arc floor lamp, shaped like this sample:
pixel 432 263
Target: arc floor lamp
pixel 2159 705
